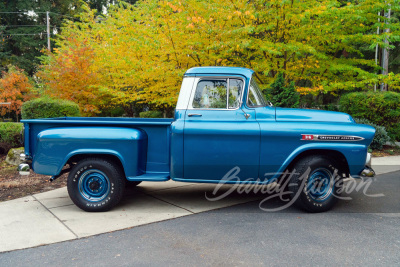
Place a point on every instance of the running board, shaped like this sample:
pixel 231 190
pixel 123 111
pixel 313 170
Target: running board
pixel 151 177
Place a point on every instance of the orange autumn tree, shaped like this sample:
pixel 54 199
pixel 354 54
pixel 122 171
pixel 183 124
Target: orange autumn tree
pixel 70 75
pixel 14 88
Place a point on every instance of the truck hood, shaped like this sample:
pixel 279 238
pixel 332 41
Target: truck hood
pixel 292 114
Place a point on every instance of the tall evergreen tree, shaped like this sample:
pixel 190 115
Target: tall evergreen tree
pixel 283 95
pixel 23 33
pixel 24 29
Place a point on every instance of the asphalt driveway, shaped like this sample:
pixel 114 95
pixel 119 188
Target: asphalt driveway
pixel 362 231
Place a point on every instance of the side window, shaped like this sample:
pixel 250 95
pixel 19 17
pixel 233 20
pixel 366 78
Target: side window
pixel 210 94
pixel 235 91
pixel 255 97
pixel 213 94
pixel 252 99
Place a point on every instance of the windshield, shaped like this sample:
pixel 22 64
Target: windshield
pixel 255 97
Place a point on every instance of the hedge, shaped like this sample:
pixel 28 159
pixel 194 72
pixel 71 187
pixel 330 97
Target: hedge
pixel 151 114
pixel 380 108
pixel 45 107
pixel 9 136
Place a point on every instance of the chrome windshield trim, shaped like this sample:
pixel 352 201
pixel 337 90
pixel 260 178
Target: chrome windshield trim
pixel 247 96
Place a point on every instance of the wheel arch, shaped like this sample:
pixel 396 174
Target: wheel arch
pixel 110 157
pixel 334 155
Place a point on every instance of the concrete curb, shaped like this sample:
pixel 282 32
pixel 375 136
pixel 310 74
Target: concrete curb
pixel 386 164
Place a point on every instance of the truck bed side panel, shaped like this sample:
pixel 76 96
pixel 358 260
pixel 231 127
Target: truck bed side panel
pixel 56 145
pixel 156 156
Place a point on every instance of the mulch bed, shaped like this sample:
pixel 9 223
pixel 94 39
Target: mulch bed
pixel 13 185
pixel 387 151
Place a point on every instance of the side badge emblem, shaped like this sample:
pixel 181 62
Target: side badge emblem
pixel 314 137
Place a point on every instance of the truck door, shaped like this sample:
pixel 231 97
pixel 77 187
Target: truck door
pixel 218 134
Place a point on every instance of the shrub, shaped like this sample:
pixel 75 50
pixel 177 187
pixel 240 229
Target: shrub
pixel 151 114
pixel 380 108
pixel 45 107
pixel 9 136
pixel 281 95
pixel 381 136
pixel 394 132
pixel 329 107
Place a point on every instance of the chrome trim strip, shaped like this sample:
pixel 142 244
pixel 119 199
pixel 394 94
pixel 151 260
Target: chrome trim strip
pixel 316 137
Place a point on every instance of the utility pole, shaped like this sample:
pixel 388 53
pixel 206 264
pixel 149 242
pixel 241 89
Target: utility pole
pixel 48 31
pixel 377 47
pixel 385 52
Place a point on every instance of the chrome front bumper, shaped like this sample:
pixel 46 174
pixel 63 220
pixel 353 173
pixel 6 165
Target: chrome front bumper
pixel 25 167
pixel 368 171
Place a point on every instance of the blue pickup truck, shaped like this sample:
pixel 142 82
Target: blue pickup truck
pixel 222 121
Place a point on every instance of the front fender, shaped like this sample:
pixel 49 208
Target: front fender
pixel 282 142
pixel 355 154
pixel 54 147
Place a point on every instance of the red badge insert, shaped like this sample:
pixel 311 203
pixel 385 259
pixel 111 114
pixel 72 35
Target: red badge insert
pixel 307 137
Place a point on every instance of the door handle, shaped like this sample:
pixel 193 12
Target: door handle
pixel 194 115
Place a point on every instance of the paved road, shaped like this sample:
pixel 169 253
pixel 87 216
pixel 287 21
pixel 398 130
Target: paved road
pixel 361 231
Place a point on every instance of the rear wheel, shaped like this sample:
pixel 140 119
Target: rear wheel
pixel 95 184
pixel 316 184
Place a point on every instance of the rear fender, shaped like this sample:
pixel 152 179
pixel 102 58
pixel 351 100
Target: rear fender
pixel 54 147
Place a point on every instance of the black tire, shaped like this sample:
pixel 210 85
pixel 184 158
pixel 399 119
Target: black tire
pixel 132 184
pixel 316 185
pixel 95 184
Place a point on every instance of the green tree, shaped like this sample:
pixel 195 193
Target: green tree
pixel 283 95
pixel 24 30
pixel 103 5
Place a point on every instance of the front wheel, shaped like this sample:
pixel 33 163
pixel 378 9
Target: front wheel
pixel 315 184
pixel 95 184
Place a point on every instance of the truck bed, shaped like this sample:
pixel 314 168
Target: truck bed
pixel 157 131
